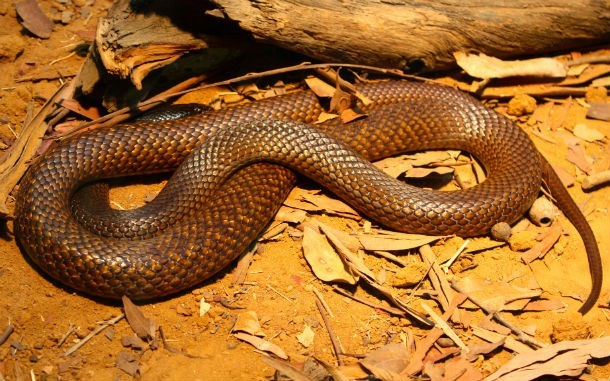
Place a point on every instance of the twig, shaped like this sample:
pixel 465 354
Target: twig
pixel 520 335
pixel 323 301
pixel 442 324
pixel 390 310
pixel 333 338
pixel 445 266
pixel 123 113
pixel 96 331
pixel 171 349
pixel 280 294
pixel 6 333
pixel 65 336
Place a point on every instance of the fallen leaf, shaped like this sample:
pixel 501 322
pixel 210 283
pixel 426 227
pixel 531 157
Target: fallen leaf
pixel 388 362
pixel 587 133
pixel 509 342
pixel 261 344
pixel 324 261
pixel 394 241
pixel 421 172
pixel 577 156
pixel 599 110
pixel 545 305
pixel 204 307
pixel 313 201
pixel 128 363
pixel 142 326
pixel 483 66
pixel 306 337
pixel 548 238
pixel 348 240
pixel 566 358
pixel 483 349
pixel 460 369
pixel 34 18
pixel 291 215
pixel 319 87
pixel 274 231
pixel 495 296
pixel 248 322
pixel 132 341
pixel 286 368
pixel 395 165
pixel 355 263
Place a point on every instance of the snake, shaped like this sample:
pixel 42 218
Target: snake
pixel 233 168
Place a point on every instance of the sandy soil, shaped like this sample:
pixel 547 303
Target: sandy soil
pixel 279 281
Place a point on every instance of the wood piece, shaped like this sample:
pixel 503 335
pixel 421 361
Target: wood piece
pixel 132 42
pixel 421 36
pixel 402 34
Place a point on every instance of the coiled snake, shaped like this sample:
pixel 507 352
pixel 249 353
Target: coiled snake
pixel 225 192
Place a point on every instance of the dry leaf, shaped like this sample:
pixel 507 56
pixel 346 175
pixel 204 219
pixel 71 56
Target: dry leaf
pixel 459 369
pixel 248 322
pixel 313 201
pixel 261 344
pixel 587 133
pixel 274 231
pixel 549 236
pixel 286 368
pixel 483 349
pixel 319 87
pixel 340 101
pixel 387 362
pixel 420 172
pixel 483 66
pixel 577 156
pixel 324 261
pixel 509 342
pixel 495 296
pixel 354 262
pixel 204 307
pixel 599 110
pixel 293 216
pixel 395 165
pixel 566 358
pixel 132 341
pixel 394 241
pixel 333 371
pixel 545 305
pixel 142 326
pixel 34 19
pixel 128 363
pixel 306 337
pixel 348 240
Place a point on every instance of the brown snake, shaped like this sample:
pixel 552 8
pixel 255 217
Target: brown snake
pixel 223 195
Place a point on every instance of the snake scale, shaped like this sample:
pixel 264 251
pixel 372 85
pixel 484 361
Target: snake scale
pixel 234 167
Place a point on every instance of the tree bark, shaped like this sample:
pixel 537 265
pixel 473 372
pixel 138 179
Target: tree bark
pixel 417 35
pixel 411 35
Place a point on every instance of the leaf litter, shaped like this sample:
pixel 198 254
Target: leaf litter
pixel 455 367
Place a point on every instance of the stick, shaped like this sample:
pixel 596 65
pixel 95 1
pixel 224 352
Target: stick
pixel 333 338
pixel 96 331
pixel 521 336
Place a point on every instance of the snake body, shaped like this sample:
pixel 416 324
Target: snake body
pixel 234 169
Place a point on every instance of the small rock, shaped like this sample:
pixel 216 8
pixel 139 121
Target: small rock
pixel 523 240
pixel 521 104
pixel 66 17
pixel 11 46
pixel 501 231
